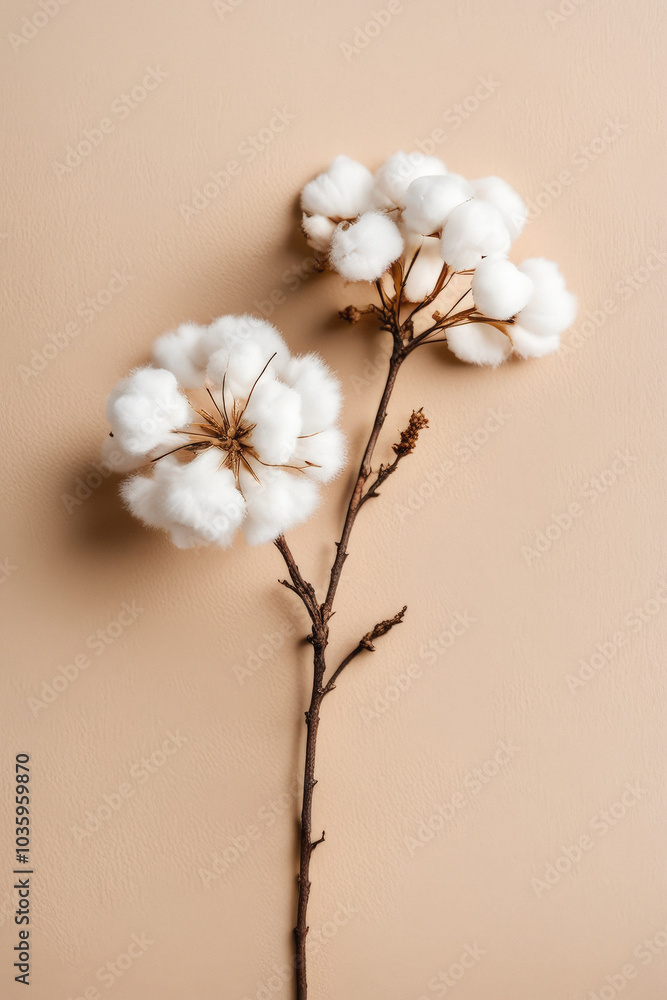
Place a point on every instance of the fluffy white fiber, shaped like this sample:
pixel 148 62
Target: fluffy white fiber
pixel 499 288
pixel 341 192
pixel 533 345
pixel 429 201
pixel 502 196
pixel 364 250
pixel 196 502
pixel 287 408
pixel 324 453
pixel 178 352
pixel 319 389
pixel 145 408
pixel 318 229
pixel 233 333
pixel 279 503
pixel 479 344
pixel 426 269
pixel 275 410
pixel 474 230
pixel 395 176
pixel 551 309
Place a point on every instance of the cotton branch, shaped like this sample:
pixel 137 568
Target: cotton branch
pixel 366 643
pixel 299 586
pixel 404 447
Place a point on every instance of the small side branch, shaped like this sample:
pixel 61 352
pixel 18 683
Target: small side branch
pixel 315 843
pixel 365 643
pixel 299 586
pixel 404 447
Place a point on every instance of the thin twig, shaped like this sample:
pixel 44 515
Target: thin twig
pixel 365 643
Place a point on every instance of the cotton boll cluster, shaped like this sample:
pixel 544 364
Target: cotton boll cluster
pixel 423 268
pixel 550 310
pixel 363 250
pixel 347 193
pixel 502 196
pixel 188 350
pixel 341 192
pixel 534 293
pixel 429 202
pixel 479 344
pixel 436 224
pixel 145 409
pixel 196 502
pixel 474 230
pixel 395 176
pixel 250 452
pixel 499 289
pixel 354 218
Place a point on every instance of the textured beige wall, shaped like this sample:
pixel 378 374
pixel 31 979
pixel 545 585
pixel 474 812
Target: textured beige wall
pixel 392 917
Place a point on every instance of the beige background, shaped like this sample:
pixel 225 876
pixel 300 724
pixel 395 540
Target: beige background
pixel 391 917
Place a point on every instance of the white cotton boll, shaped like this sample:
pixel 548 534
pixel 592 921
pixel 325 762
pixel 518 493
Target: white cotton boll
pixel 240 368
pixel 478 344
pixel 318 229
pixel 341 192
pixel 425 271
pixel 178 352
pixel 364 250
pixel 325 452
pixel 499 289
pixel 395 176
pixel 197 502
pixel 141 495
pixel 230 332
pixel 116 459
pixel 201 499
pixel 474 230
pixel 533 345
pixel 551 309
pixel 429 201
pixel 502 196
pixel 319 390
pixel 279 503
pixel 276 411
pixel 144 408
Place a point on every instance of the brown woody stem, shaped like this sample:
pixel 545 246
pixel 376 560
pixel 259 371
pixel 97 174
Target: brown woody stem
pixel 404 342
